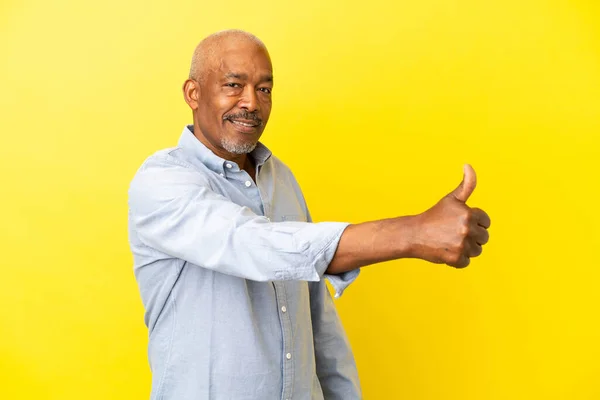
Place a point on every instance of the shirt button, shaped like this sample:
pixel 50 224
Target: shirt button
pixel 222 174
pixel 288 356
pixel 248 183
pixel 228 165
pixel 283 309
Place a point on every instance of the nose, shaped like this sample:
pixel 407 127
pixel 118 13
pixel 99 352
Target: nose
pixel 249 99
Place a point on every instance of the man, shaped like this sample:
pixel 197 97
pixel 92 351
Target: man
pixel 229 264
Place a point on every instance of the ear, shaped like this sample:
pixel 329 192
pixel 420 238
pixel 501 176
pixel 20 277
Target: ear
pixel 191 93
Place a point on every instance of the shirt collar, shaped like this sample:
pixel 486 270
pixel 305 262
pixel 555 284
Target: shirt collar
pixel 189 142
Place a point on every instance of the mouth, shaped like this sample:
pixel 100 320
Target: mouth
pixel 245 126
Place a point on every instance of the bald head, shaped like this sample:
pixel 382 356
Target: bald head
pixel 210 49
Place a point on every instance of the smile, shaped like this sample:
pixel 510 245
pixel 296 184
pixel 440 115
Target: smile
pixel 247 124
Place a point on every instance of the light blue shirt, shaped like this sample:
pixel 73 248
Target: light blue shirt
pixel 231 277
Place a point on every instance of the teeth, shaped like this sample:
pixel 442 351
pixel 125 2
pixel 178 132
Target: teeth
pixel 243 124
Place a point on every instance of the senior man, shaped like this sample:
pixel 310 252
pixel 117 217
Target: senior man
pixel 230 266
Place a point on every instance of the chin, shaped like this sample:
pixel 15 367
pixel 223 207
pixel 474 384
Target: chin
pixel 235 147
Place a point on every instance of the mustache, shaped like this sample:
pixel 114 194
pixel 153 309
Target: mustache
pixel 243 115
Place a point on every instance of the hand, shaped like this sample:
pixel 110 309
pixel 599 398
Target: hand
pixel 451 232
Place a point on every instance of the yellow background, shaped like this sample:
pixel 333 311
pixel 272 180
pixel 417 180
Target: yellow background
pixel 377 106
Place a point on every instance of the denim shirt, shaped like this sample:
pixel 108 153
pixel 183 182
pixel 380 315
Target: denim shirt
pixel 230 274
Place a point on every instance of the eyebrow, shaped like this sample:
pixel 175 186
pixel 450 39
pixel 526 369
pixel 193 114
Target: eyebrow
pixel 235 75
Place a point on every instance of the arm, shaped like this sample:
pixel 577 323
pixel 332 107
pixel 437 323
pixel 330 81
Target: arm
pixel 174 211
pixel 450 232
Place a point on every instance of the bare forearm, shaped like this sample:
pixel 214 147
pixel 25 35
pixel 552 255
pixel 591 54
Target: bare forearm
pixel 450 232
pixel 373 242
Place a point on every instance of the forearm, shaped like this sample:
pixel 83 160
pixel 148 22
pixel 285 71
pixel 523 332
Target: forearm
pixel 373 242
pixel 450 232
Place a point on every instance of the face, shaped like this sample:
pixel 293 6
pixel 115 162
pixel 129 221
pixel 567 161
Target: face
pixel 232 103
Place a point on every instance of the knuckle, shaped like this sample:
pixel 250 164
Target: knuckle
pixel 454 258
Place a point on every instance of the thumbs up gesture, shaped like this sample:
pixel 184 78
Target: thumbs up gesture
pixel 451 232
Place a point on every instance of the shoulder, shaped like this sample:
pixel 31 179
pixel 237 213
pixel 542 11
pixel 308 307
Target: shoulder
pixel 167 168
pixel 165 158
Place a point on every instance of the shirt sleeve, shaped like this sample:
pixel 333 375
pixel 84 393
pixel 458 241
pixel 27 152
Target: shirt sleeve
pixel 174 210
pixel 335 363
pixel 339 282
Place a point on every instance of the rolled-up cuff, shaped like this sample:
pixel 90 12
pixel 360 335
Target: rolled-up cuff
pixel 322 257
pixel 342 281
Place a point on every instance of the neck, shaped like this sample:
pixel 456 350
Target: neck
pixel 242 160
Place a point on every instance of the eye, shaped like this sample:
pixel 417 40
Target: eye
pixel 233 85
pixel 265 90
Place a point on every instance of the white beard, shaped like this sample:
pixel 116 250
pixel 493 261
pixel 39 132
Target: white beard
pixel 237 148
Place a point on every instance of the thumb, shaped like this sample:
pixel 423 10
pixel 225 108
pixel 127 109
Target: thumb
pixel 466 187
